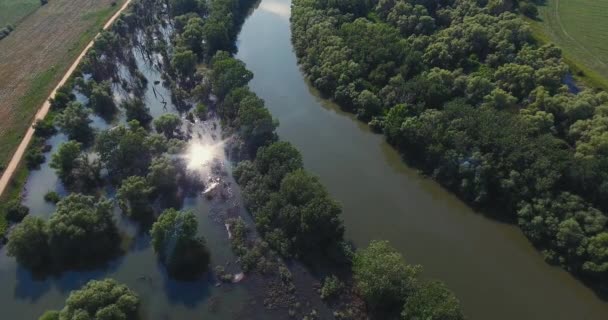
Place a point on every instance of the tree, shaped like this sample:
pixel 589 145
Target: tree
pixel 82 231
pixel 163 175
pixel 99 299
pixel 227 74
pixel 16 211
pixel 101 99
pixel 126 151
pixel 382 276
pixel 74 122
pixel 192 36
pixel 432 301
pixel 134 197
pixel 175 240
pixel 184 61
pixel 28 243
pixel 528 9
pixel 301 217
pixel 179 7
pixel 276 160
pixel 65 159
pixel 44 128
pixel 136 109
pixel 597 251
pixel 168 124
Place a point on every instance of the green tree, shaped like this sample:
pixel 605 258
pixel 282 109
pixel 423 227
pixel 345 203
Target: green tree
pixel 276 160
pixel 432 301
pixel 82 231
pixel 65 159
pixel 28 243
pixel 99 299
pixel 136 109
pixel 168 124
pixel 74 122
pixel 175 240
pixel 163 175
pixel 101 99
pixel 227 74
pixel 126 151
pixel 15 210
pixel 382 276
pixel 184 61
pixel 134 197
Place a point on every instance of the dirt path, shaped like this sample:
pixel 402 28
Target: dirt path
pixel 44 109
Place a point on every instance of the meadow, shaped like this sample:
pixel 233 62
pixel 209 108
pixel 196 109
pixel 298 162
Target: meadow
pixel 12 11
pixel 580 28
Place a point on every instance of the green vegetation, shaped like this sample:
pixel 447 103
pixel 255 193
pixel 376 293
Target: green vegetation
pixel 439 77
pixel 580 28
pixel 98 299
pixel 13 11
pixel 81 232
pixel 175 240
pixel 389 284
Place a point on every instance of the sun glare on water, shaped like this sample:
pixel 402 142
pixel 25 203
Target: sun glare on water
pixel 199 155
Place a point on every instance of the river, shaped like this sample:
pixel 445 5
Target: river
pixel 490 265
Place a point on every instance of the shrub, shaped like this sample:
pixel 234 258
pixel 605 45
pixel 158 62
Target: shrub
pixel 331 287
pixel 15 211
pixel 52 197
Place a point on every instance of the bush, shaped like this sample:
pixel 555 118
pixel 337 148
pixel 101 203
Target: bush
pixel 52 197
pixel 34 157
pixel 15 211
pixel 44 127
pixel 528 9
pixel 331 287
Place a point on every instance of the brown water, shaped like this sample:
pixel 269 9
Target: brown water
pixel 491 266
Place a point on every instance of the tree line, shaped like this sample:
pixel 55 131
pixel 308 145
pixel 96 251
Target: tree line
pixel 462 90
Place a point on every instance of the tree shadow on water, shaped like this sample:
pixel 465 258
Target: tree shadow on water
pixel 30 286
pixel 187 293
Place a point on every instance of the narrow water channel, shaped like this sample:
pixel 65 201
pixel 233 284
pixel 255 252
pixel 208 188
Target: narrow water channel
pixel 492 268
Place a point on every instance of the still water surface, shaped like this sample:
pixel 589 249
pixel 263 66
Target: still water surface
pixel 491 266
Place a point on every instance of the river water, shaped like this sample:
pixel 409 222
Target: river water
pixel 490 265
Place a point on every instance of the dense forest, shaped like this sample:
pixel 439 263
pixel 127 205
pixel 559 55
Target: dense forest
pixel 464 92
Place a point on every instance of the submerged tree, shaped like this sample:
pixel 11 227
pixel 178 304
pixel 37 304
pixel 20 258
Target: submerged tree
pixel 134 197
pixel 168 124
pixel 175 240
pixel 28 243
pixel 74 122
pixel 98 299
pixel 82 231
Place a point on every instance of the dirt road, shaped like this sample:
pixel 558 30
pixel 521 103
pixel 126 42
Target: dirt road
pixel 44 109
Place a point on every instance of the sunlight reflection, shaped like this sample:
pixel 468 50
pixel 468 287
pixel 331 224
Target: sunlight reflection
pixel 281 9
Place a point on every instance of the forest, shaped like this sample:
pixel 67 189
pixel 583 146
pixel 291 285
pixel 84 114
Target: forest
pixel 464 92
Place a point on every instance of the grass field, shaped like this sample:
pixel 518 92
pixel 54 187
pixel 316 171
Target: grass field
pixel 32 61
pixel 12 11
pixel 580 28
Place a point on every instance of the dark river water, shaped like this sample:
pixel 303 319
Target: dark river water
pixel 490 265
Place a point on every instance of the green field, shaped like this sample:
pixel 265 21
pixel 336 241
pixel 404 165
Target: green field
pixel 11 11
pixel 580 28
